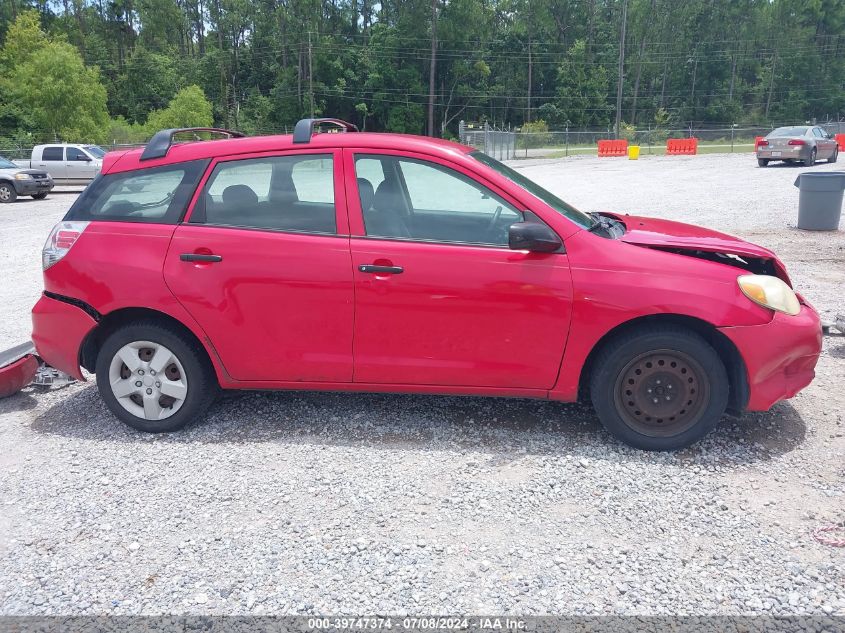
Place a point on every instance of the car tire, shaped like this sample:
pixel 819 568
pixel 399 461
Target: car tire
pixel 7 192
pixel 834 156
pixel 762 162
pixel 170 397
pixel 812 160
pixel 39 196
pixel 670 364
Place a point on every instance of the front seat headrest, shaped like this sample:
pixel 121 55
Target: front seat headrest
pixel 239 196
pixel 387 197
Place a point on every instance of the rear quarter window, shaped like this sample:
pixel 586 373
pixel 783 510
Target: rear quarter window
pixel 157 195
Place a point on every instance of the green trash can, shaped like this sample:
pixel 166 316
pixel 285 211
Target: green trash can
pixel 820 200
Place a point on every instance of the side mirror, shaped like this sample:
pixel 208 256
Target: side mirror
pixel 533 236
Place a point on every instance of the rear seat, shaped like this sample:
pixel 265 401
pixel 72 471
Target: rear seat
pixel 240 206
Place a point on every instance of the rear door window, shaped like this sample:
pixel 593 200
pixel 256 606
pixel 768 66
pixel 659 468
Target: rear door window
pixel 156 195
pixel 282 193
pixel 53 153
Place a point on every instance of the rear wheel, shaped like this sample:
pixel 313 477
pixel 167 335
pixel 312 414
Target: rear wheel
pixel 153 379
pixel 762 162
pixel 834 156
pixel 7 192
pixel 659 388
pixel 812 160
pixel 39 196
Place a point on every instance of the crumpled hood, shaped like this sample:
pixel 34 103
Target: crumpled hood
pixel 690 239
pixel 656 232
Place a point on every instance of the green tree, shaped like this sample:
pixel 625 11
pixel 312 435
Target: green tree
pixel 46 81
pixel 189 108
pixel 582 90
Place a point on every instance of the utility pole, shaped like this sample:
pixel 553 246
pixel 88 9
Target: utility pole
pixel 621 68
pixel 310 76
pixel 771 85
pixel 530 68
pixel 432 67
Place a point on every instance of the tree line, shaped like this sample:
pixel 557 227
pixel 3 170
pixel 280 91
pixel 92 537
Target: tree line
pixel 104 70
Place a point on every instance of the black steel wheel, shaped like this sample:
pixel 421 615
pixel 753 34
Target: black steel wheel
pixel 662 393
pixel 659 387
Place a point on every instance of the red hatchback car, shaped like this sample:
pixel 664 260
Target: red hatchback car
pixel 393 263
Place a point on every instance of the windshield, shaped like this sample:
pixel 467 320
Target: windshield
pixel 7 164
pixel 96 152
pixel 580 218
pixel 789 131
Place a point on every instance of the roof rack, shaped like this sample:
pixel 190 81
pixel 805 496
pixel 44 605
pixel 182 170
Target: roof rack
pixel 161 141
pixel 305 128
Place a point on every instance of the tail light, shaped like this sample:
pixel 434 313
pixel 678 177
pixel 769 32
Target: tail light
pixel 797 141
pixel 762 142
pixel 62 238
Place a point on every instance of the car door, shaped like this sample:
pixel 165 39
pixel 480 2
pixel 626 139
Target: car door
pixel 440 299
pixel 53 161
pixel 78 165
pixel 825 144
pixel 263 265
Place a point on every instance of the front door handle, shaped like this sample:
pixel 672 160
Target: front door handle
pixel 372 268
pixel 200 257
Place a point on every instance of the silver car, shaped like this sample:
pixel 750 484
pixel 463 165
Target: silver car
pixel 804 144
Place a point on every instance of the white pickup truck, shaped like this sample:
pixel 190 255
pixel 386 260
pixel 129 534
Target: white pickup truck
pixel 67 164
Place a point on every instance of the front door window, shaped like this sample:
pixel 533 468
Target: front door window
pixel 404 198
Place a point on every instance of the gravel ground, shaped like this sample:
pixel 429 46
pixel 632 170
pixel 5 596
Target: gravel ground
pixel 334 503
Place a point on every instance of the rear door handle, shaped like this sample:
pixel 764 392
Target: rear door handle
pixel 200 257
pixel 372 268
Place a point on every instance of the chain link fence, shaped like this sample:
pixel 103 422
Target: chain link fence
pixel 504 143
pixel 509 144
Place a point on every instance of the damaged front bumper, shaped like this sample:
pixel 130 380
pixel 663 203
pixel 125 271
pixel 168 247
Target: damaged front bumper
pixel 780 356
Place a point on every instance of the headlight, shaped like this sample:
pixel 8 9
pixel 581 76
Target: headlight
pixel 769 292
pixel 23 176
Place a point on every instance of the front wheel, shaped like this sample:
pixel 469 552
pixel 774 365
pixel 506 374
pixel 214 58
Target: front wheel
pixel 659 388
pixel 153 378
pixel 762 162
pixel 7 193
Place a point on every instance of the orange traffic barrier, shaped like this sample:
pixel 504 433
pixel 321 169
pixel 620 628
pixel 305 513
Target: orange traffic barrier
pixel 681 146
pixel 840 138
pixel 613 147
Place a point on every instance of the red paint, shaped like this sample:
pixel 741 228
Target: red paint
pixel 287 310
pixel 15 376
pixel 780 356
pixel 58 330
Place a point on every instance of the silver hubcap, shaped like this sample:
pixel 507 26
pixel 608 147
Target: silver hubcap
pixel 5 194
pixel 148 380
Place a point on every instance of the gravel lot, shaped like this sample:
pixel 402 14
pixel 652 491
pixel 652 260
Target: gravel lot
pixel 332 503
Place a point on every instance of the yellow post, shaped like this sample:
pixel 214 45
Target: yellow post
pixel 633 152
